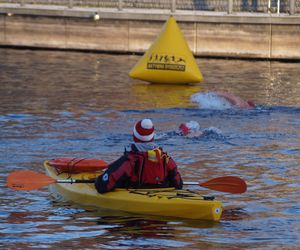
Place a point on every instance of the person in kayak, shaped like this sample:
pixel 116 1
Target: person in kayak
pixel 145 166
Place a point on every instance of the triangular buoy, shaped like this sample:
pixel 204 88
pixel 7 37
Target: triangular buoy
pixel 168 60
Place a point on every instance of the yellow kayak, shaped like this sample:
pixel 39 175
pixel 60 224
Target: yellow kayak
pixel 159 202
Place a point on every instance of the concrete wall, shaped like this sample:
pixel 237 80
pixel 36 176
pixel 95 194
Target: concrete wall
pixel 262 36
pixel 285 41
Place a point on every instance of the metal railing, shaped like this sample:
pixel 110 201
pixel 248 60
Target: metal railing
pixel 261 6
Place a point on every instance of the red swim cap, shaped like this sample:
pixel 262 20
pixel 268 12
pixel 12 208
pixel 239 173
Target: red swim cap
pixel 184 129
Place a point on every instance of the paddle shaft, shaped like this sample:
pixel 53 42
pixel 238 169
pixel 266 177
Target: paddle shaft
pixel 71 181
pixel 30 180
pixel 191 183
pixel 223 187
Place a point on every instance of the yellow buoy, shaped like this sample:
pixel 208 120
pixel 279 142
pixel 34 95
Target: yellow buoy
pixel 169 59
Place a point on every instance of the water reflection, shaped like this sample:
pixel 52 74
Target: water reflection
pixel 162 96
pixel 230 214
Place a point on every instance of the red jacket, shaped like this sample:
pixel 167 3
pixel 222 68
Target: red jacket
pixel 151 169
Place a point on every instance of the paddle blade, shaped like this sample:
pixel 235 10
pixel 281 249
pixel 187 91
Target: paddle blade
pixel 228 184
pixel 28 180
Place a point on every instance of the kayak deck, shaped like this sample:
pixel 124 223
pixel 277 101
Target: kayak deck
pixel 160 202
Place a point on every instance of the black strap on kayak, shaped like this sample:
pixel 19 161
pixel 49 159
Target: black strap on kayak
pixel 171 194
pixel 72 164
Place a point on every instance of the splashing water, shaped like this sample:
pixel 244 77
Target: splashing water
pixel 209 100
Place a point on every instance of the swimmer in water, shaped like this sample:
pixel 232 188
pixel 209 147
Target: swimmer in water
pixel 192 129
pixel 220 100
pixel 235 100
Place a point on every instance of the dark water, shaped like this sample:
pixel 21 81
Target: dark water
pixel 84 105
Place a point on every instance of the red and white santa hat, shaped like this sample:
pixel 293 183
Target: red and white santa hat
pixel 143 131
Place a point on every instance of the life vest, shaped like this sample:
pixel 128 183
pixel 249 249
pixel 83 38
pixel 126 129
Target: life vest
pixel 149 168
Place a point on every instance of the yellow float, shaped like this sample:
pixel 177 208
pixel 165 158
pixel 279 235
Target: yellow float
pixel 169 59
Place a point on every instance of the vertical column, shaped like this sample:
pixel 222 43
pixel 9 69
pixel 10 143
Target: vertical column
pixel 173 6
pixel 120 5
pixel 292 7
pixel 230 6
pixel 70 5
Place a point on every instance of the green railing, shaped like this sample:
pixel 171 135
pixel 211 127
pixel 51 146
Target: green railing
pixel 261 6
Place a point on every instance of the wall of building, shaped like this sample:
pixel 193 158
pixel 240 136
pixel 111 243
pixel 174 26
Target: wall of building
pixel 217 34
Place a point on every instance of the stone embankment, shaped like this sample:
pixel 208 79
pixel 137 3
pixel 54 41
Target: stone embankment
pixel 215 34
